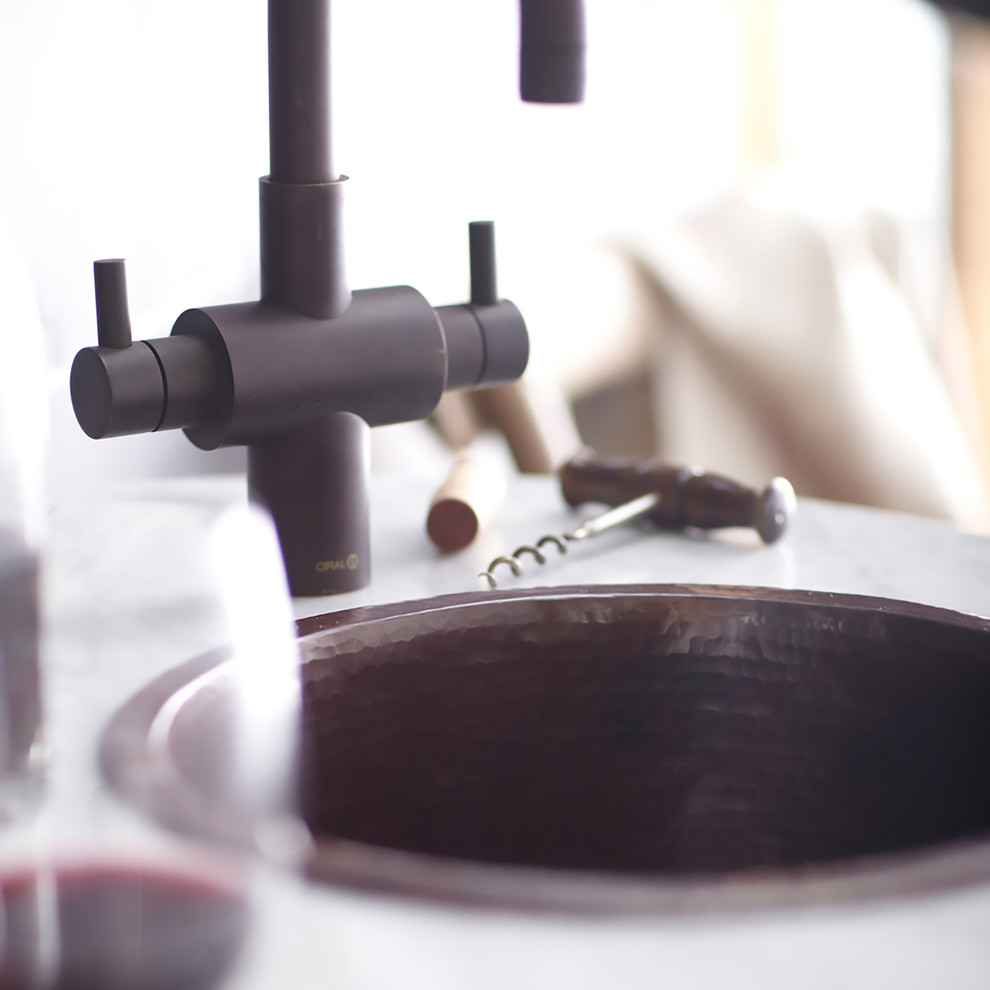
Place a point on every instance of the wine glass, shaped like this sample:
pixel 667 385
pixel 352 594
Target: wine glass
pixel 96 889
pixel 23 436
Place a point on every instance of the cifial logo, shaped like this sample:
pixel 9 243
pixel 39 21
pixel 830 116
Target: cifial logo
pixel 344 564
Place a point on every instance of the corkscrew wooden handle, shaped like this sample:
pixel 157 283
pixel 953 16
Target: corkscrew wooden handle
pixel 687 497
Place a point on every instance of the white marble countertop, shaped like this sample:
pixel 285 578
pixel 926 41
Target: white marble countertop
pixel 123 603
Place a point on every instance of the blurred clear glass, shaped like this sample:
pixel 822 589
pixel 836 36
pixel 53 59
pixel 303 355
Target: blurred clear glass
pixel 154 863
pixel 23 437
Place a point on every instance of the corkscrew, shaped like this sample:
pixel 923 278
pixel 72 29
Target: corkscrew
pixel 670 497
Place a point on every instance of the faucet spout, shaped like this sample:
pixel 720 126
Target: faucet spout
pixel 552 51
pixel 300 375
pixel 551 70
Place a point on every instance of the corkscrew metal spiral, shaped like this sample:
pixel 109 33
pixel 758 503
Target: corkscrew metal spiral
pixel 592 527
pixel 671 497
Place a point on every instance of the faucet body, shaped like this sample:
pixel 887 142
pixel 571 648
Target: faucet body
pixel 300 375
pixel 301 392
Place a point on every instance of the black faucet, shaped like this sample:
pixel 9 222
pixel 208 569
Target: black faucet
pixel 300 375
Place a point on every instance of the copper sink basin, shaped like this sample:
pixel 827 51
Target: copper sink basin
pixel 616 749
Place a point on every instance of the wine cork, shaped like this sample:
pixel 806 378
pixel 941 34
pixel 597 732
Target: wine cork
pixel 465 503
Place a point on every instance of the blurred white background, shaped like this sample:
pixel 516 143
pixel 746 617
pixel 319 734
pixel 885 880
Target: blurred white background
pixel 138 129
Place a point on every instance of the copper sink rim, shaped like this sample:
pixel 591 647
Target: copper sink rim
pixel 364 868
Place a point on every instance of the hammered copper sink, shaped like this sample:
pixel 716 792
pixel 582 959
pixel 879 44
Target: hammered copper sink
pixel 623 748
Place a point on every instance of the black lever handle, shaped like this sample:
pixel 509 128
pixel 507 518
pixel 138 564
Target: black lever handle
pixel 481 247
pixel 113 321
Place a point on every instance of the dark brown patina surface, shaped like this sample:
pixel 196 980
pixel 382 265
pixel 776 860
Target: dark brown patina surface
pixel 615 750
pixel 672 734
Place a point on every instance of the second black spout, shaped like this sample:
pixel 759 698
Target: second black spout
pixel 552 51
